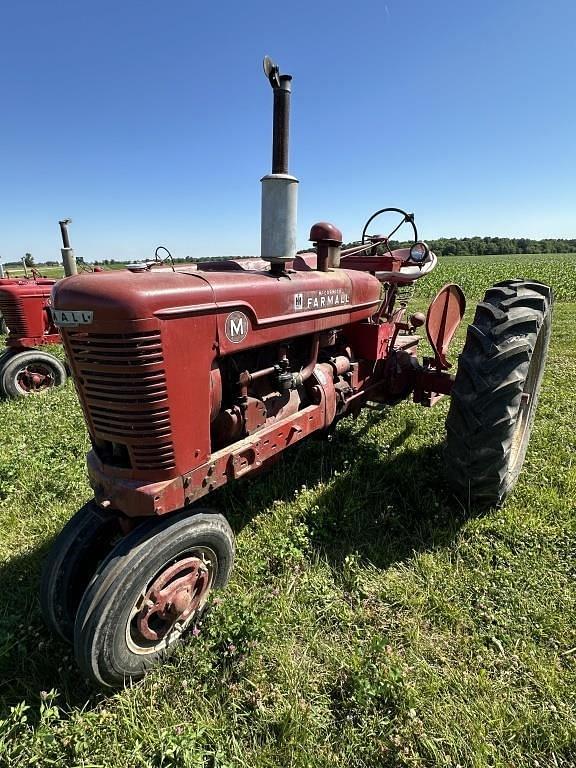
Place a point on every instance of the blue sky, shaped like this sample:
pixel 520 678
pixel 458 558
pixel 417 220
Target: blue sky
pixel 150 123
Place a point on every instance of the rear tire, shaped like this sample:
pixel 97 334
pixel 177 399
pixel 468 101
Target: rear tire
pixel 84 542
pixel 30 372
pixel 152 587
pixel 495 393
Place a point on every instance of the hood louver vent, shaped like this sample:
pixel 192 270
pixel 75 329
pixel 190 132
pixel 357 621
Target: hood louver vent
pixel 123 386
pixel 14 315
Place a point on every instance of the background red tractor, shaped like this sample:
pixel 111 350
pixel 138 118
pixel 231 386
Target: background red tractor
pixel 24 368
pixel 24 307
pixel 189 379
pixel 25 311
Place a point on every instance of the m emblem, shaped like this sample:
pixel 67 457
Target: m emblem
pixel 236 327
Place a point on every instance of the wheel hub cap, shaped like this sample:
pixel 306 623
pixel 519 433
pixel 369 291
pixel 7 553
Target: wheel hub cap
pixel 34 380
pixel 173 597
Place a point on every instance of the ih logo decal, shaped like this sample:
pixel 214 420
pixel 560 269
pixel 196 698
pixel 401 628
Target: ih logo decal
pixel 236 327
pixel 298 301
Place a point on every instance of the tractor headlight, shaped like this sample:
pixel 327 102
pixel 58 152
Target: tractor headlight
pixel 419 252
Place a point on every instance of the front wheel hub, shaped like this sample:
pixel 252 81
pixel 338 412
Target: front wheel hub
pixel 173 597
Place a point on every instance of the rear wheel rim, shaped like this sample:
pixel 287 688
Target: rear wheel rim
pixel 35 377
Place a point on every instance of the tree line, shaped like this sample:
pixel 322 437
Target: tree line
pixel 443 246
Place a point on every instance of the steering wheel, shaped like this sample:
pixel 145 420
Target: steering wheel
pixel 407 218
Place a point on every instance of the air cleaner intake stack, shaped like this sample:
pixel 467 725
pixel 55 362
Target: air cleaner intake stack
pixel 279 188
pixel 68 256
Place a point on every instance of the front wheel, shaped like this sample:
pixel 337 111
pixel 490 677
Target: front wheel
pixel 495 393
pixel 30 372
pixel 151 589
pixel 83 543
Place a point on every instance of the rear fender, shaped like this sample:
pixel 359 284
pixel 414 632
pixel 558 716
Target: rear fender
pixel 444 316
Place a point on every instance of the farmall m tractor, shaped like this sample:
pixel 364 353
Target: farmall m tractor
pixel 24 305
pixel 190 379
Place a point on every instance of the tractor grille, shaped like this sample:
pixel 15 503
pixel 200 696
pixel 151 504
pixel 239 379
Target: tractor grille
pixel 122 380
pixel 13 313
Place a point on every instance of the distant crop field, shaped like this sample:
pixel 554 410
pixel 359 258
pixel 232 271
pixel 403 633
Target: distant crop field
pixel 370 620
pixel 474 274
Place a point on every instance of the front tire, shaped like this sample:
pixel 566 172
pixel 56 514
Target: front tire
pixel 30 372
pixel 4 358
pixel 151 589
pixel 83 543
pixel 495 393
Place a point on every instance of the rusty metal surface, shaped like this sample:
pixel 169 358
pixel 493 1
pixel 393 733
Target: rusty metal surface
pixel 430 385
pixel 35 377
pixel 173 597
pixel 140 498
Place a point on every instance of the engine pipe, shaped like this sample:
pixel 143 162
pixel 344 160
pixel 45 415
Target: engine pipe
pixel 298 379
pixel 247 378
pixel 68 256
pixel 281 124
pixel 303 375
pixel 279 189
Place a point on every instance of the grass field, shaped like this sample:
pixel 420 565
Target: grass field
pixel 370 620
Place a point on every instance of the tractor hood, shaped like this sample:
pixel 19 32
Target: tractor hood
pixel 120 301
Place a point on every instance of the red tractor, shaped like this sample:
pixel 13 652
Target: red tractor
pixel 24 306
pixel 189 379
pixel 25 313
pixel 24 368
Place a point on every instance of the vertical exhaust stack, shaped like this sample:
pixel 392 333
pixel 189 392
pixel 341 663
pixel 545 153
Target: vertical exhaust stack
pixel 68 257
pixel 279 188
